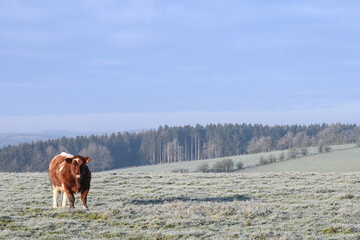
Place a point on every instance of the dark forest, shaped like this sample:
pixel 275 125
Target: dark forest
pixel 174 144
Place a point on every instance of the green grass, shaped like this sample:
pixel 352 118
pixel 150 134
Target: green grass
pixel 347 160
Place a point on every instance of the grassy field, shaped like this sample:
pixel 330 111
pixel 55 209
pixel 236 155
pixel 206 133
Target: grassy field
pixel 284 200
pixel 347 160
pixel 192 166
pixel 248 160
pixel 186 206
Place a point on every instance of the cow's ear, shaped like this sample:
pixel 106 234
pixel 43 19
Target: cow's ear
pixel 69 160
pixel 87 159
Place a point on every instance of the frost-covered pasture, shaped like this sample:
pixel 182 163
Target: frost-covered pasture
pixel 344 151
pixel 186 206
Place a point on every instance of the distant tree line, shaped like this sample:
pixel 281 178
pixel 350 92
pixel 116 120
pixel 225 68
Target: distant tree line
pixel 175 144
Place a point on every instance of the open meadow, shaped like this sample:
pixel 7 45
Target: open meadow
pixel 344 160
pixel 186 206
pixel 335 158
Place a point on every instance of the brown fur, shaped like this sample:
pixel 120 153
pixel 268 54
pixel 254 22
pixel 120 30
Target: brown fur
pixel 70 176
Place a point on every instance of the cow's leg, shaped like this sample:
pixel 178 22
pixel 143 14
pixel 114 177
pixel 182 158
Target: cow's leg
pixel 55 195
pixel 84 198
pixel 64 200
pixel 71 197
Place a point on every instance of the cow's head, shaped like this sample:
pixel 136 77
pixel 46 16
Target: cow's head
pixel 77 165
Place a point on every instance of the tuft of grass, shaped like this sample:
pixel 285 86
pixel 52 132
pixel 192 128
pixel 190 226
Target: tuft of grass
pixel 83 215
pixel 330 230
pixel 347 196
pixel 5 222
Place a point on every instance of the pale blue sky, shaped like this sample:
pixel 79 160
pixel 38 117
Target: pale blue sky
pixel 103 65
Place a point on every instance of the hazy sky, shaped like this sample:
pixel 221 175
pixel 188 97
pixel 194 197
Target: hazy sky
pixel 103 65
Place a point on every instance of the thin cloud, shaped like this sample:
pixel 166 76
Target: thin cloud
pixel 26 36
pixel 121 12
pixel 21 11
pixel 107 62
pixel 353 62
pixel 326 10
pixel 16 85
pixel 130 38
pixel 31 54
pixel 129 121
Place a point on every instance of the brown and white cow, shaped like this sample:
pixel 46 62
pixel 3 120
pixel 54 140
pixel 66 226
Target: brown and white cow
pixel 69 174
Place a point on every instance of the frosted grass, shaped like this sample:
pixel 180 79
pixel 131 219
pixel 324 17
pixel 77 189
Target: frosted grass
pixel 248 161
pixel 186 206
pixel 345 160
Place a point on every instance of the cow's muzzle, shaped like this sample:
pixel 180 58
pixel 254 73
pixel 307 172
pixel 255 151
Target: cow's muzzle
pixel 78 176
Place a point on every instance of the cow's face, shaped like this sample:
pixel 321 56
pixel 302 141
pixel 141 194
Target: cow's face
pixel 77 165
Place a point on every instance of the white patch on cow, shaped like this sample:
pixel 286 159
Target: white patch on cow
pixel 63 204
pixel 59 188
pixel 55 195
pixel 61 166
pixel 56 190
pixel 76 159
pixel 68 155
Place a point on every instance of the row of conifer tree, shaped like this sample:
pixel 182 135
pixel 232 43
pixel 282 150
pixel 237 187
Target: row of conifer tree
pixel 175 144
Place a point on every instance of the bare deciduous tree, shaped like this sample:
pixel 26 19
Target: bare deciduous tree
pixel 100 155
pixel 262 144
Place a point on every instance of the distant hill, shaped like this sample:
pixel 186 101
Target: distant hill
pixel 17 138
pixel 347 160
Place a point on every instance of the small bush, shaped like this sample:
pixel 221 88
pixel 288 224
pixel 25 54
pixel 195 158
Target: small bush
pixel 263 161
pixel 292 153
pixel 304 151
pixel 282 156
pixel 320 148
pixel 228 164
pixel 218 167
pixel 180 170
pixel 203 167
pixel 239 165
pixel 271 159
pixel 225 165
pixel 327 149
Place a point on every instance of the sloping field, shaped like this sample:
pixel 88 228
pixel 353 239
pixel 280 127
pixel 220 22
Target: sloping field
pixel 192 166
pixel 347 160
pixel 186 206
pixel 247 160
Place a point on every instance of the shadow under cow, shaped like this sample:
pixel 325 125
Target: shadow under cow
pixel 237 197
